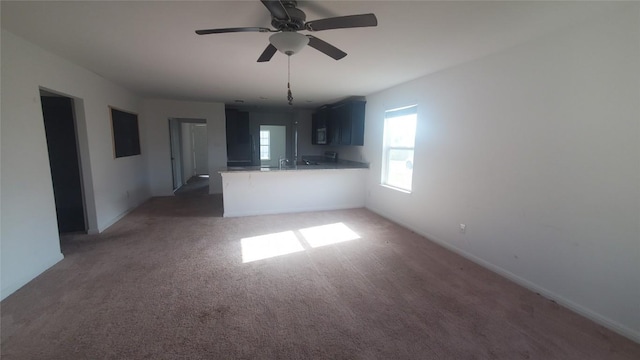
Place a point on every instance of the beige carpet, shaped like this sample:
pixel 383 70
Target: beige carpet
pixel 169 282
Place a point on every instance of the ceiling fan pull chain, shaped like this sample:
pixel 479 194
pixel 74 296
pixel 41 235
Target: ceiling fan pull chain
pixel 289 95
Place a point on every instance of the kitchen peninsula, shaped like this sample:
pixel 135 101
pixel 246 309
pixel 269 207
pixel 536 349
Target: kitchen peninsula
pixel 256 190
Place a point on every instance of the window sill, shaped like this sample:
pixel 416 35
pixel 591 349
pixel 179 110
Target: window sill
pixel 396 188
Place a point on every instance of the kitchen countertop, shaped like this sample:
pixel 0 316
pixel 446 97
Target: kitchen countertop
pixel 339 165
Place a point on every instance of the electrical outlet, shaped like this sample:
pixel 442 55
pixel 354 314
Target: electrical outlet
pixel 463 228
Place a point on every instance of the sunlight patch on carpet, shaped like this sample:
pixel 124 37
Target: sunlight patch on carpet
pixel 318 236
pixel 270 245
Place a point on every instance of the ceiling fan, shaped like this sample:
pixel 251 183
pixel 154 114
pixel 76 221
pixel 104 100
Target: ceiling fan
pixel 287 20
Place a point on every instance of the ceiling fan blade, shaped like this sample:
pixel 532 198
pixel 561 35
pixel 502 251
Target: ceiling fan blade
pixel 276 9
pixel 326 48
pixel 267 54
pixel 342 22
pixel 232 30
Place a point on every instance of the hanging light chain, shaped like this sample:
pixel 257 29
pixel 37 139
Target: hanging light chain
pixel 289 95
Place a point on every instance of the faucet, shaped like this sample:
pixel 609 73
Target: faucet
pixel 281 161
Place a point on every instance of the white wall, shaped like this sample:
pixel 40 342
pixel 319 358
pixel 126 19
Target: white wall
pixel 286 191
pixel 155 113
pixel 30 242
pixel 280 116
pixel 271 117
pixel 200 149
pixel 278 144
pixel 537 150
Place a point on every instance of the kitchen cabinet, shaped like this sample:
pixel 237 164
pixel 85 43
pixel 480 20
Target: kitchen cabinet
pixel 350 119
pixel 239 145
pixel 333 127
pixel 319 122
pixel 343 121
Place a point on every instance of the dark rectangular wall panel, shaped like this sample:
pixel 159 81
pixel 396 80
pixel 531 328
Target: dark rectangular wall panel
pixel 126 138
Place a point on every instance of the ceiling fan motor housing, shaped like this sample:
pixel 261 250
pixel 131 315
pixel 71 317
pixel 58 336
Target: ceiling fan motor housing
pixel 295 21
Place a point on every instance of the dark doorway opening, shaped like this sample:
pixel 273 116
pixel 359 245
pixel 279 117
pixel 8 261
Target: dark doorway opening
pixel 62 143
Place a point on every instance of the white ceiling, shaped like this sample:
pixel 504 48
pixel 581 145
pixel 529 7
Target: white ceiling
pixel 150 46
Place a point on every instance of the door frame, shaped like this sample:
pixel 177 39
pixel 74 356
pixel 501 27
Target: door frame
pixel 175 152
pixel 176 155
pixel 84 160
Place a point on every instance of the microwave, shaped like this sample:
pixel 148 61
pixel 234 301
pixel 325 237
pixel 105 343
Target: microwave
pixel 321 136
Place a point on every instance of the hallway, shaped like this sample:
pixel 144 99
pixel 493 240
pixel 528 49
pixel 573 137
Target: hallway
pixel 196 186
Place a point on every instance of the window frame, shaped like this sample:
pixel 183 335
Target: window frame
pixel 387 148
pixel 267 145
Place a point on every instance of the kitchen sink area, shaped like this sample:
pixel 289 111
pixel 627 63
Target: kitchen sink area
pixel 302 167
pixel 328 161
pixel 266 174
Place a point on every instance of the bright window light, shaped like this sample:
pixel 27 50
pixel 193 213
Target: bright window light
pixel 270 245
pixel 328 234
pixel 265 145
pixel 398 147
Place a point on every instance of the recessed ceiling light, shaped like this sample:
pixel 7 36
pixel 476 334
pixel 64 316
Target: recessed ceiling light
pixel 239 101
pixel 263 98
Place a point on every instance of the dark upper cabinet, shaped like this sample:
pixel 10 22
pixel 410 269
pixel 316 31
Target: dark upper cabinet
pixel 343 121
pixel 333 127
pixel 238 138
pixel 314 129
pixel 347 123
pixel 319 121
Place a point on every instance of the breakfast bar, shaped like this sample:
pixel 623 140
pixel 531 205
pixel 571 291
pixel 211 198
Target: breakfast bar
pixel 256 190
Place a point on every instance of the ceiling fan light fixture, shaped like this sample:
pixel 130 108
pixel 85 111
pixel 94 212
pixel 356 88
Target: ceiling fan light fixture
pixel 288 42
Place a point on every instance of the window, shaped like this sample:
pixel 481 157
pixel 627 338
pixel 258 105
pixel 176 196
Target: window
pixel 265 145
pixel 398 145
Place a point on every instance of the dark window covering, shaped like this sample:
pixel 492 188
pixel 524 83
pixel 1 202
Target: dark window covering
pixel 126 138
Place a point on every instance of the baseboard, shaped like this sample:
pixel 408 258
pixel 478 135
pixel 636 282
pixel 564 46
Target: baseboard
pixel 119 217
pixel 15 285
pixel 290 211
pixel 571 305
